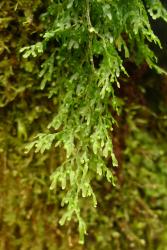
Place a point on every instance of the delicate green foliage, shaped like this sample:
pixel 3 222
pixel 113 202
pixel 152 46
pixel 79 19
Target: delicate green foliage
pixel 86 43
pixel 156 9
pixel 33 50
pixel 43 143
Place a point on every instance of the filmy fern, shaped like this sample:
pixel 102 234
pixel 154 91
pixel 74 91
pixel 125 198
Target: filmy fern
pixel 87 43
